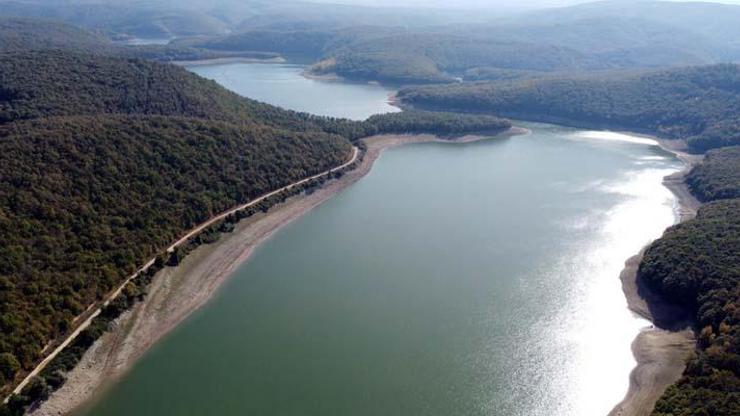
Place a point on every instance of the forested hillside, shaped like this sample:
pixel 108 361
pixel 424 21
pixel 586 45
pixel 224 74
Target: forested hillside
pixel 23 35
pixel 435 123
pixel 696 264
pixel 33 34
pixel 699 104
pixel 718 176
pixel 57 82
pixel 105 161
pixel 87 200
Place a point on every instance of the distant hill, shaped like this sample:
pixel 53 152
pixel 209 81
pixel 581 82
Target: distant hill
pixel 595 36
pixel 144 19
pixel 20 34
pixel 25 34
pixel 715 23
pixel 699 104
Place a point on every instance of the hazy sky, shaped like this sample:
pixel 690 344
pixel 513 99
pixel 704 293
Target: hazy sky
pixel 475 4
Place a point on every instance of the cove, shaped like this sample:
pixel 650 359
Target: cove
pixel 283 85
pixel 475 279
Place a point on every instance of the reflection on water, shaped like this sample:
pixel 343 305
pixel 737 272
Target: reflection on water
pixel 614 136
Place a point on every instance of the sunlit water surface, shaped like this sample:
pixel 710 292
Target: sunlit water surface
pixel 455 279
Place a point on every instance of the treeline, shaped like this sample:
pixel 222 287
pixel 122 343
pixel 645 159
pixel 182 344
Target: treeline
pixel 699 104
pixel 696 264
pixel 415 121
pixel 412 122
pixel 105 161
pixel 54 375
pixel 60 82
pixel 718 176
pixel 300 43
pixel 85 200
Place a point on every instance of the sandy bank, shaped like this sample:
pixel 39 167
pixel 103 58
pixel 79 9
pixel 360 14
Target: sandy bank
pixel 176 292
pixel 662 349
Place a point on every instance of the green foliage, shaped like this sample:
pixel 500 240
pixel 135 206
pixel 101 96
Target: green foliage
pixel 436 123
pixel 9 365
pixel 105 161
pixel 697 264
pixel 85 200
pixel 387 66
pixel 303 43
pixel 700 104
pixel 17 34
pixel 58 83
pixel 697 256
pixel 718 176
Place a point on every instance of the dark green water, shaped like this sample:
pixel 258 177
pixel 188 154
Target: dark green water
pixel 475 279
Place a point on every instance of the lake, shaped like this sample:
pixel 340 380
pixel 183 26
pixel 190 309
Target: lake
pixel 475 279
pixel 283 85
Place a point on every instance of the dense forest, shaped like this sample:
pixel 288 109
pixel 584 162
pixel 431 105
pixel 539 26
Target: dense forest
pixel 718 176
pixel 414 121
pixel 86 200
pixel 697 264
pixel 58 82
pixel 106 160
pixel 699 104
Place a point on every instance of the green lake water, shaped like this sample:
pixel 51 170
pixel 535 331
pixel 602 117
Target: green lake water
pixel 454 279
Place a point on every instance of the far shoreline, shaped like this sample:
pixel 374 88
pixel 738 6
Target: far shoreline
pixel 230 60
pixel 177 292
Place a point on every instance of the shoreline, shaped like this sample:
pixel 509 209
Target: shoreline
pixel 177 292
pixel 230 60
pixel 661 349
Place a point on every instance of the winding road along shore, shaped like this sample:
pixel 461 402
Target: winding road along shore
pixel 176 292
pixel 92 312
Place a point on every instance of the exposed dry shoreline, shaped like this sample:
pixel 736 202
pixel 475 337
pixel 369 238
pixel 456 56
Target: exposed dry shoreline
pixel 662 349
pixel 176 292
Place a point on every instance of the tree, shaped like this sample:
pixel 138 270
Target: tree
pixel 9 365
